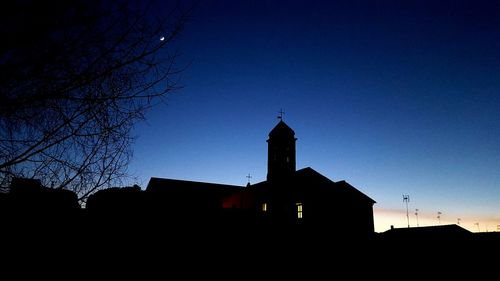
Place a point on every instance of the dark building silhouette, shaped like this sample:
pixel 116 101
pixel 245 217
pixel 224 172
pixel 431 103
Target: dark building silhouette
pixel 187 202
pixel 289 216
pixel 116 200
pixel 427 232
pixel 440 242
pixel 29 208
pixel 288 198
pixel 30 197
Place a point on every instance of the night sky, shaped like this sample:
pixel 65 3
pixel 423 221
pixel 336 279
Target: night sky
pixel 395 97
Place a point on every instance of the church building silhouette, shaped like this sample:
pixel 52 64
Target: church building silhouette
pixel 288 198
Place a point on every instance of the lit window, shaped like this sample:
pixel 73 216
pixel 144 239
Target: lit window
pixel 288 159
pixel 264 207
pixel 299 210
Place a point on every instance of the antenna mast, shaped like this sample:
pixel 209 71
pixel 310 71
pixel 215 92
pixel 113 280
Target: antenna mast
pixel 406 198
pixel 416 214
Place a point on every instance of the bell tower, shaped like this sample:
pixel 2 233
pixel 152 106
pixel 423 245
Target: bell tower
pixel 280 151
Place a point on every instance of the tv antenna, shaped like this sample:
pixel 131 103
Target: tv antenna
pixel 478 229
pixel 439 217
pixel 406 198
pixel 416 215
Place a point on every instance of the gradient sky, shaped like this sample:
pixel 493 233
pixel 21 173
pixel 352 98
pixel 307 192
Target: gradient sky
pixel 395 97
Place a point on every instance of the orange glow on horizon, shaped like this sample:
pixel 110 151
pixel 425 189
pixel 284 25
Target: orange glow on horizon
pixel 384 218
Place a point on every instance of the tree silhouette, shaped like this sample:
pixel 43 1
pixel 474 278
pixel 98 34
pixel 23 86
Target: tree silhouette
pixel 74 78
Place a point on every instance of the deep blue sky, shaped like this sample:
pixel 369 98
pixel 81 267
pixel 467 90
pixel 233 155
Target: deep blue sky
pixel 395 97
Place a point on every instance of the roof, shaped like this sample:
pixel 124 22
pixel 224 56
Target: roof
pixel 157 184
pixel 25 183
pixel 309 175
pixel 425 231
pixel 353 190
pixel 308 171
pixel 281 129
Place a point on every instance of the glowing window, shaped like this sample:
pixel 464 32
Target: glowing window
pixel 264 207
pixel 299 210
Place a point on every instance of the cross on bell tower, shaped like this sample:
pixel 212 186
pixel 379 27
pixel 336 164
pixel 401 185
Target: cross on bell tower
pixel 280 114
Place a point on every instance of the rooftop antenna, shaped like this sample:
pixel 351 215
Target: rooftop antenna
pixel 458 221
pixel 280 114
pixel 478 229
pixel 439 217
pixel 406 198
pixel 248 177
pixel 416 215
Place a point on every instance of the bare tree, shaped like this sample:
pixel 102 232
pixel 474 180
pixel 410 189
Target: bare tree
pixel 74 78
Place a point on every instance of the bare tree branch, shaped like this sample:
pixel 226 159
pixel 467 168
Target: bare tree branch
pixel 75 76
